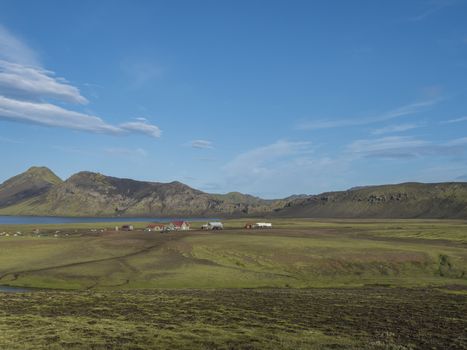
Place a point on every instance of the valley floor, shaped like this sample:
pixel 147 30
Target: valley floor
pixel 305 284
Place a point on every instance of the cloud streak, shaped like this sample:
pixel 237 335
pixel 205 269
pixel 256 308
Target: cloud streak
pixel 434 8
pixel 394 147
pixel 395 128
pixel 141 72
pixel 274 170
pixel 282 167
pixel 51 115
pixel 14 50
pixel 409 109
pixel 126 152
pixel 32 83
pixel 26 90
pixel 258 160
pixel 141 127
pixel 201 144
pixel 457 120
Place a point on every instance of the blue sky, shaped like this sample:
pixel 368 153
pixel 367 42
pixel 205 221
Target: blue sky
pixel 271 98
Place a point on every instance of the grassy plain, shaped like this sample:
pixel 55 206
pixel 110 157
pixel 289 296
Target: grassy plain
pixel 305 284
pixel 295 253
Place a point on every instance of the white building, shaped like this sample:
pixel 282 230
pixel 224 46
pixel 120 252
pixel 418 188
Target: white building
pixel 263 225
pixel 215 225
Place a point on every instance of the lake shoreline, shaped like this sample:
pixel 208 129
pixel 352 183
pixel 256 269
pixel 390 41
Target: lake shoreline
pixel 12 289
pixel 38 220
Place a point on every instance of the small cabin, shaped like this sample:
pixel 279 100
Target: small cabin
pixel 263 225
pixel 154 227
pixel 127 228
pixel 180 225
pixel 215 225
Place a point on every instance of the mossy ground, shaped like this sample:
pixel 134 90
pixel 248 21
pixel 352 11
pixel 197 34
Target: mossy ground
pixel 363 318
pixel 341 284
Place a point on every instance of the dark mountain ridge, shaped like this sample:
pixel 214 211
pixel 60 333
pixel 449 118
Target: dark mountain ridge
pixel 94 194
pixel 33 182
pixel 38 191
pixel 406 200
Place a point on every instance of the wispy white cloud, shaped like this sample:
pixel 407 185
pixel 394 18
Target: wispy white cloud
pixel 258 159
pixel 281 168
pixel 9 140
pixel 456 120
pixel 33 83
pixel 127 152
pixel 387 147
pixel 207 159
pixel 434 6
pixel 201 144
pixel 140 72
pixel 26 87
pixel 14 50
pixel 52 115
pixel 409 109
pixel 286 167
pixel 74 150
pixel 395 128
pixel 404 147
pixel 457 142
pixel 141 127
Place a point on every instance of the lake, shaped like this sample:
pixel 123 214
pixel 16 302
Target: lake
pixel 36 220
pixel 6 289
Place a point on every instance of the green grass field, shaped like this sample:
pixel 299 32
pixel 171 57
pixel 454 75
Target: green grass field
pixel 311 284
pixel 298 254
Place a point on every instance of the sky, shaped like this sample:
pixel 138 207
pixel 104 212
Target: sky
pixel 270 98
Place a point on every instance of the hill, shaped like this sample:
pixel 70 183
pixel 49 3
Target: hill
pixel 39 191
pixel 407 200
pixel 93 194
pixel 35 181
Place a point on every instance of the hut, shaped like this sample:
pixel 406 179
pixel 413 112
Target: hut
pixel 154 227
pixel 263 225
pixel 215 225
pixel 180 225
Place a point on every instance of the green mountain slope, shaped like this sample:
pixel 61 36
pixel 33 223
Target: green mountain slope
pixel 92 194
pixel 33 182
pixel 408 200
pixel 39 191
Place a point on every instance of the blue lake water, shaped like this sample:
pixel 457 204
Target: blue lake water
pixel 36 220
pixel 6 289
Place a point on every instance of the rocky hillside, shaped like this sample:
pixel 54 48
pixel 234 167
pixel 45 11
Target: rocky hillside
pixel 408 200
pixel 92 194
pixel 39 191
pixel 32 183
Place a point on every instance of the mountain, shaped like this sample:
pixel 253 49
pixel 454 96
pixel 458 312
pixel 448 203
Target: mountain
pixel 93 194
pixel 39 191
pixel 407 200
pixel 33 182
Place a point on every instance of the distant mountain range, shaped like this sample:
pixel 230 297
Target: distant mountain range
pixel 38 191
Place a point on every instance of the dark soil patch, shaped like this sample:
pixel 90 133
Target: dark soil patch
pixel 422 318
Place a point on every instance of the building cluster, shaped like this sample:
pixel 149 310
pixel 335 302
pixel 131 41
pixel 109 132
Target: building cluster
pixel 185 226
pixel 214 225
pixel 250 225
pixel 172 226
